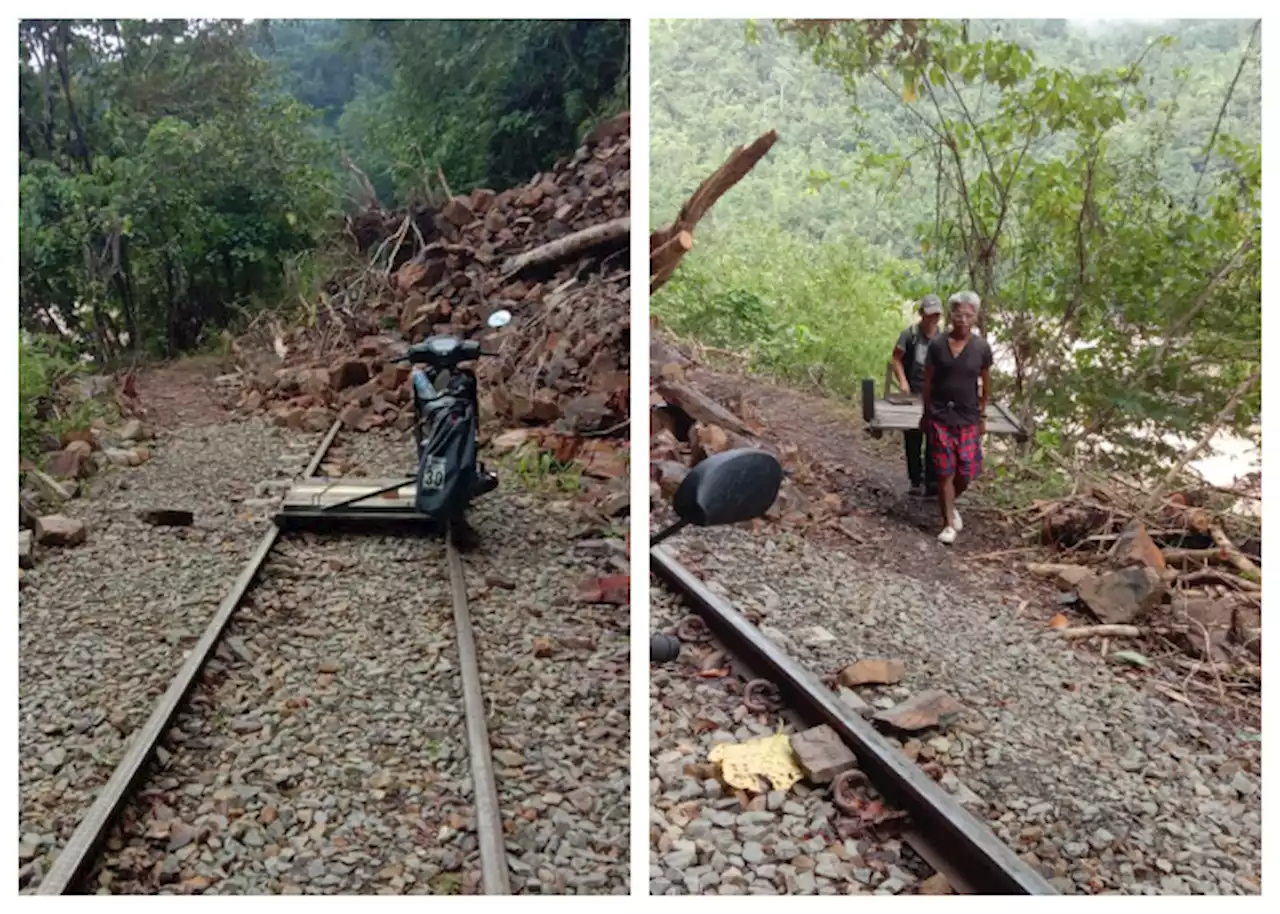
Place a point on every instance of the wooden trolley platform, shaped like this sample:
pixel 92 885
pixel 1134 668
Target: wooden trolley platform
pixel 898 412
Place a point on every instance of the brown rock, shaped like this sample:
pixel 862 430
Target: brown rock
pixel 167 517
pixel 545 407
pixel 1211 626
pixel 286 383
pixel 288 416
pixel 72 462
pixel 26 549
pixel 822 755
pixel 314 381
pixel 494 221
pixel 671 371
pixel 706 440
pixel 196 884
pixel 542 647
pixel 668 474
pixel 458 212
pixel 587 413
pixel 316 419
pixel 353 416
pixel 329 666
pixel 872 672
pixel 59 530
pixel 253 401
pixel 481 199
pixel 1135 547
pixel 86 435
pixel 931 708
pixel 1120 597
pixel 393 377
pixel 133 430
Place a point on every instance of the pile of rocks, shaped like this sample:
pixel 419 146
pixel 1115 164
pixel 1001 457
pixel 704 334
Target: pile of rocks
pixel 82 453
pixel 552 252
pixel 686 426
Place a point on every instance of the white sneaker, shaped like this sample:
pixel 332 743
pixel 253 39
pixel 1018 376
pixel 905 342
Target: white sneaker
pixel 947 536
pixel 956 521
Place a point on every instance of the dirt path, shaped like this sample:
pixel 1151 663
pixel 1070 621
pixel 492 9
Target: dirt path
pixel 182 393
pixel 896 530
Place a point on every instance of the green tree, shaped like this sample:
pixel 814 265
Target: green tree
pixel 164 182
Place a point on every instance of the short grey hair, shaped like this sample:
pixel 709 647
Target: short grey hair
pixel 965 298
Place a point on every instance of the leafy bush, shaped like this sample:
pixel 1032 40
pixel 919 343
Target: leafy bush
pixel 43 364
pixel 818 312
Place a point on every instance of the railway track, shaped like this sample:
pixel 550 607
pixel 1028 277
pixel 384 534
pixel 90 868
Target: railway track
pixel 885 795
pixel 317 742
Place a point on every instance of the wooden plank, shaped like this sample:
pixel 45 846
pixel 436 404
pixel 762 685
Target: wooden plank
pixel 900 417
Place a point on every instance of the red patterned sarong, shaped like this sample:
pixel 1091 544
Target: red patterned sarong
pixel 956 451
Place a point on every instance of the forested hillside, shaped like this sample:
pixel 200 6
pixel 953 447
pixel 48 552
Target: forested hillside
pixel 1097 183
pixel 178 176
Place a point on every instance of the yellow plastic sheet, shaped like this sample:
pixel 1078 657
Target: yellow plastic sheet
pixel 743 764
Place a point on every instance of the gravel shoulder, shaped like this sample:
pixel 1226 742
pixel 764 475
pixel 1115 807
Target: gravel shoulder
pixel 102 626
pixel 1098 781
pixel 556 673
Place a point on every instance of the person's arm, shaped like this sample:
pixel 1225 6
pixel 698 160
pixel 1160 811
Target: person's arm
pixel 898 372
pixel 899 352
pixel 927 393
pixel 985 392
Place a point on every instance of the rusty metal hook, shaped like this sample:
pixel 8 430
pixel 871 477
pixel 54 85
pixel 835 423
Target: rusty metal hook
pixel 761 696
pixel 693 629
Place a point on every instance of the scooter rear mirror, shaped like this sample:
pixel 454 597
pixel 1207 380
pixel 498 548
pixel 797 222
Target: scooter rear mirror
pixel 499 319
pixel 728 488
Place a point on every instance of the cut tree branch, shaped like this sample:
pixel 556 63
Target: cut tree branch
pixel 735 168
pixel 570 246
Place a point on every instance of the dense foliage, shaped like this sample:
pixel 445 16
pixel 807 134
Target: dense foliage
pixel 1101 192
pixel 161 181
pixel 175 174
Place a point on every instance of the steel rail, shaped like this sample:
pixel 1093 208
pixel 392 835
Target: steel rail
pixel 970 848
pixel 494 875
pixel 76 858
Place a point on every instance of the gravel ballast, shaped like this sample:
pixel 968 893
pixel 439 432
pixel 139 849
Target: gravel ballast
pixel 324 750
pixel 1096 780
pixel 703 841
pixel 103 625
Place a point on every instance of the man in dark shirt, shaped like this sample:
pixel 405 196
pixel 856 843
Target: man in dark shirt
pixel 908 368
pixel 955 407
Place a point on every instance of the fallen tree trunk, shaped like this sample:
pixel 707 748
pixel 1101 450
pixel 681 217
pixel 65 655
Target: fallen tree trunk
pixel 1181 557
pixel 570 246
pixel 735 168
pixel 701 408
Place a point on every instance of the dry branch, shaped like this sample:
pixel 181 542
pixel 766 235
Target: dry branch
pixel 1237 558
